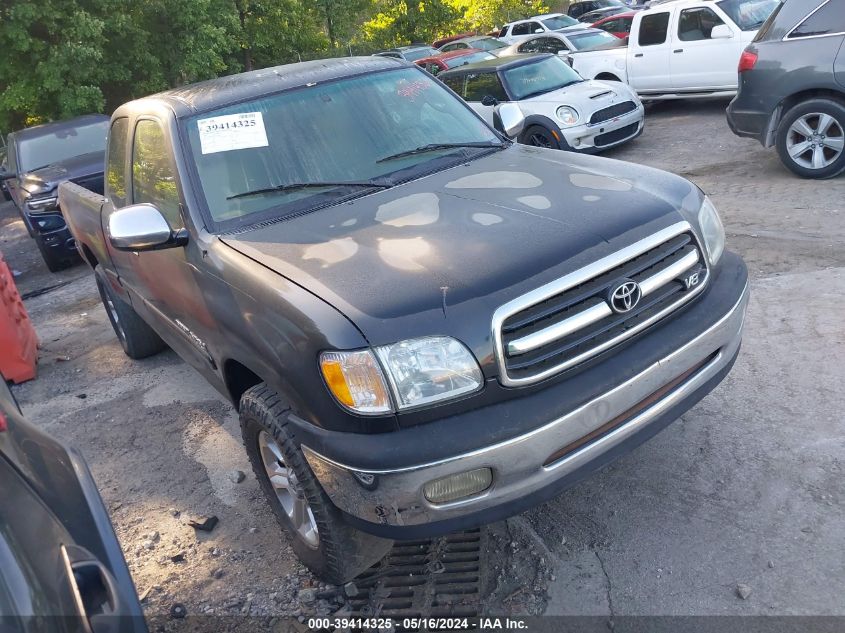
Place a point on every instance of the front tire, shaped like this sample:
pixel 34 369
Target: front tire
pixel 811 139
pixel 137 338
pixel 323 541
pixel 540 136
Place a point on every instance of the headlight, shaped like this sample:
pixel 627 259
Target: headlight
pixel 712 230
pixel 356 380
pixel 42 205
pixel 419 371
pixel 567 115
pixel 425 370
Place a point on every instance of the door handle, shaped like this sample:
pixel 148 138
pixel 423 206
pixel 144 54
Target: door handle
pixel 638 55
pixel 93 589
pixel 678 50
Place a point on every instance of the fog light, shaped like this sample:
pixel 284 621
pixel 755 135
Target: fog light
pixel 456 487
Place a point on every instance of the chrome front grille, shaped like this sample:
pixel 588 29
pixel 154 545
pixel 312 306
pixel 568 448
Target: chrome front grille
pixel 570 320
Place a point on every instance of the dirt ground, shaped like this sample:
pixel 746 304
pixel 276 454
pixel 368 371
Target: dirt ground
pixel 746 488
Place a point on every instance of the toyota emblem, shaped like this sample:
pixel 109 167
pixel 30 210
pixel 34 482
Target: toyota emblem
pixel 625 296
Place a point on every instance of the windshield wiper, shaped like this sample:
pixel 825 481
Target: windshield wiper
pixel 295 186
pixel 431 147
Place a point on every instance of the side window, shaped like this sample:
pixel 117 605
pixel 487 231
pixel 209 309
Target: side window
pixel 535 27
pixel 456 83
pixel 697 24
pixel 116 167
pixel 625 25
pixel 479 86
pixel 829 19
pixel 153 177
pixel 543 45
pixel 504 31
pixel 11 158
pixel 520 29
pixel 531 46
pixel 653 29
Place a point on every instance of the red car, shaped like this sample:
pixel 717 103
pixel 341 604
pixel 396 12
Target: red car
pixel 452 59
pixel 618 25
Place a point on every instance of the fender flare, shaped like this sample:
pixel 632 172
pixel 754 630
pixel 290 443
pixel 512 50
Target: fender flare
pixel 549 124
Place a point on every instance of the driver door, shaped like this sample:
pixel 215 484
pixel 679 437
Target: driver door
pixel 162 284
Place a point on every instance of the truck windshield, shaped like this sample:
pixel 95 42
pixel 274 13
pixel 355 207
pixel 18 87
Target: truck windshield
pixel 330 140
pixel 559 22
pixel 49 149
pixel 748 15
pixel 540 77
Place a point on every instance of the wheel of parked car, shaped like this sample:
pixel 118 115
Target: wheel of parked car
pixel 330 547
pixel 540 136
pixel 811 139
pixel 55 261
pixel 138 339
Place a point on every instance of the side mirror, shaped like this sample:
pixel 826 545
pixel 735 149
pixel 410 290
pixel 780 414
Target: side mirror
pixel 721 32
pixel 538 31
pixel 142 227
pixel 510 117
pixel 489 101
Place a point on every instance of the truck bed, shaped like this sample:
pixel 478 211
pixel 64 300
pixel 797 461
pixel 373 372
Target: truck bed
pixel 82 209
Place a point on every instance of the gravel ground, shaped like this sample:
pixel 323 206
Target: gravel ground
pixel 744 490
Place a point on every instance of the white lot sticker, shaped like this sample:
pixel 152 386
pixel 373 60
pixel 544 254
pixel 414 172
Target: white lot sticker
pixel 232 131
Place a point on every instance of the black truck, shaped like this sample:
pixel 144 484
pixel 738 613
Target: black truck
pixel 423 326
pixel 38 159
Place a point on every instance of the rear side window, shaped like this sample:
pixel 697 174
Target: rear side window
pixel 456 83
pixel 697 24
pixel 653 29
pixel 116 168
pixel 478 86
pixel 543 45
pixel 521 29
pixel 829 19
pixel 153 176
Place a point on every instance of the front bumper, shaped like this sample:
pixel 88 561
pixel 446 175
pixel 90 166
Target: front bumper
pixel 588 138
pixel 536 465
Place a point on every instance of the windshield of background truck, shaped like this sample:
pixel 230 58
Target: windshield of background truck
pixel 534 79
pixel 748 14
pixel 341 131
pixel 48 149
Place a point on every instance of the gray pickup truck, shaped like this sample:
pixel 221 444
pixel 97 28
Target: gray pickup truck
pixel 424 326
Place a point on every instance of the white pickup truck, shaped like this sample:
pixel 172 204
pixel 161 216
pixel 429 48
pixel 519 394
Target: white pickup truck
pixel 680 49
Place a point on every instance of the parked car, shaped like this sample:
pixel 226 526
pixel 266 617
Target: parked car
pixel 409 53
pixel 423 326
pixel 480 42
pixel 562 111
pixel 547 23
pixel 60 563
pixel 580 7
pixel 682 49
pixel 453 59
pixel 562 43
pixel 617 25
pixel 598 14
pixel 451 38
pixel 791 88
pixel 41 157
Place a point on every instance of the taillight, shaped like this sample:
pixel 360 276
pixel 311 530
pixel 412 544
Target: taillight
pixel 747 61
pixel 3 424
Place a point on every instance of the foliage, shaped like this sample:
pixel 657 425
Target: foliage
pixel 61 58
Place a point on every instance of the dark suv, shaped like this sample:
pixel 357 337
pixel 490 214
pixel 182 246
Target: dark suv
pixel 792 87
pixel 577 9
pixel 41 157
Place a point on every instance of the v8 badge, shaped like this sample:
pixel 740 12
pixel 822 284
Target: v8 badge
pixel 692 280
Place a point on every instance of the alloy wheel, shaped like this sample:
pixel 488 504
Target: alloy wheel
pixel 815 140
pixel 287 489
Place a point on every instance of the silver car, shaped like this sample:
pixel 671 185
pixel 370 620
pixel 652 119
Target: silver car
pixel 562 110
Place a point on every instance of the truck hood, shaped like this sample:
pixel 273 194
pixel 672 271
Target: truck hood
pixel 439 254
pixel 48 177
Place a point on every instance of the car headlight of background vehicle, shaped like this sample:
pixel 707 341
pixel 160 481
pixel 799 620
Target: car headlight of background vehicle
pixel 712 230
pixel 567 115
pixel 419 372
pixel 43 205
